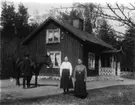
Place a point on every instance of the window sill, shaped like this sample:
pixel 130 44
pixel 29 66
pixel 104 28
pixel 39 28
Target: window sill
pixel 54 67
pixel 53 43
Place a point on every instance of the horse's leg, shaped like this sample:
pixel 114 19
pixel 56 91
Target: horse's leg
pixel 17 81
pixel 17 78
pixel 28 80
pixel 35 80
pixel 19 75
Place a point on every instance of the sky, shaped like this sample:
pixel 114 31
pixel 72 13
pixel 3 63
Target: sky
pixel 43 6
pixel 71 1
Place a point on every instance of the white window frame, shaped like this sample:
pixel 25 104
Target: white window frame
pixel 54 52
pixel 53 32
pixel 91 61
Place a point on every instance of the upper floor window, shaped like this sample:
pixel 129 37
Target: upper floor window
pixel 53 35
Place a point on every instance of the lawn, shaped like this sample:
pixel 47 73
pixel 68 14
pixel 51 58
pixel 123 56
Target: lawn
pixel 129 76
pixel 114 95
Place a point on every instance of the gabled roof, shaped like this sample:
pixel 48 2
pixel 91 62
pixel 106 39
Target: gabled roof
pixel 85 36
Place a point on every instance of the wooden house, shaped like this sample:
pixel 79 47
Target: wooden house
pixel 61 39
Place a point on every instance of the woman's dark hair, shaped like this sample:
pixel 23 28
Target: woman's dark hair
pixel 80 59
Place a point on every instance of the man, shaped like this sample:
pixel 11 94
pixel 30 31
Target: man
pixel 26 71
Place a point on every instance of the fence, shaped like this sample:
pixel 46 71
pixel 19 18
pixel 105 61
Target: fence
pixel 129 69
pixel 106 71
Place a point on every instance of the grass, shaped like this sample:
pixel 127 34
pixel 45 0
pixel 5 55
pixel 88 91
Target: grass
pixel 114 95
pixel 129 77
pixel 132 76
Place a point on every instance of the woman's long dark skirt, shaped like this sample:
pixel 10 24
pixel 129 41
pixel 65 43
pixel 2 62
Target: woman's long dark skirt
pixel 80 85
pixel 66 81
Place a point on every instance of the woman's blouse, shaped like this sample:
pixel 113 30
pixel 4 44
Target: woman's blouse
pixel 66 65
pixel 80 68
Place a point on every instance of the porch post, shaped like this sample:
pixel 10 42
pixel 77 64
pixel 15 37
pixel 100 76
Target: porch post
pixel 99 66
pixel 118 68
pixel 113 65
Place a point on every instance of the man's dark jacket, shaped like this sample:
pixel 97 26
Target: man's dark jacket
pixel 26 68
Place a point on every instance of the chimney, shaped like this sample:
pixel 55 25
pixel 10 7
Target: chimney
pixel 78 23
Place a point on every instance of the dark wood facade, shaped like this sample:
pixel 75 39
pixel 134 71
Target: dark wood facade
pixel 70 45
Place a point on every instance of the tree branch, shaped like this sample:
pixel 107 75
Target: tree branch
pixel 122 11
pixel 114 12
pixel 125 20
pixel 132 6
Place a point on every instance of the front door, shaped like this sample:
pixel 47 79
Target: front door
pixel 90 60
pixel 92 64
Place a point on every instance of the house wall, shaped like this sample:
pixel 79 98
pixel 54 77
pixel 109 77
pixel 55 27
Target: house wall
pixel 96 49
pixel 69 46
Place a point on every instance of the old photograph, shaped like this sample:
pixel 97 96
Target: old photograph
pixel 74 52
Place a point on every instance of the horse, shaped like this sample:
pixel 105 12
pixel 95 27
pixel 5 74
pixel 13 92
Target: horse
pixel 36 66
pixel 17 70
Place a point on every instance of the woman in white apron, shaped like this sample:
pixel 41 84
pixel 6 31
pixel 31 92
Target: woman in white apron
pixel 65 74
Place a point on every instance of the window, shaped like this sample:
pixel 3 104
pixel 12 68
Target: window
pixel 55 58
pixel 52 35
pixel 91 61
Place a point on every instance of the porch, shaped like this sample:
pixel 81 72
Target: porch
pixel 109 64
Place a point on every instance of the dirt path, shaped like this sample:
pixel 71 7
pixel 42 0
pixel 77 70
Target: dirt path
pixel 48 87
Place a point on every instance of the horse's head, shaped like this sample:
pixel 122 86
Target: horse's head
pixel 43 60
pixel 47 61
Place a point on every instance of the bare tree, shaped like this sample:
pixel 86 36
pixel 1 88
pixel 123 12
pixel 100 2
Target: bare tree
pixel 124 15
pixel 120 13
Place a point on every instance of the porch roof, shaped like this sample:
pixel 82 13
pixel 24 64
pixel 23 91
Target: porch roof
pixel 112 51
pixel 83 35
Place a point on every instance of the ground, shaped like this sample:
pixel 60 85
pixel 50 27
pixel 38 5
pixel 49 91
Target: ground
pixel 129 76
pixel 107 92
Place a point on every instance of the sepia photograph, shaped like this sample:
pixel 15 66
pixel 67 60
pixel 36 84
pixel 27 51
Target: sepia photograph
pixel 74 52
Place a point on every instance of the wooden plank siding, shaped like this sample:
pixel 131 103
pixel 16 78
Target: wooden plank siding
pixel 69 46
pixel 74 43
